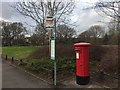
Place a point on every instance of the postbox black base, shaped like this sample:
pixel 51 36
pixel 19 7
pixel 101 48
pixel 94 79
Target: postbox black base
pixel 82 80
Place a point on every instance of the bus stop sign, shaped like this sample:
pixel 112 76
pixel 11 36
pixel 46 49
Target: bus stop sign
pixel 49 22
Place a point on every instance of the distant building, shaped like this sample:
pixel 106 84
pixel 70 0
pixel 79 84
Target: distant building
pixel 27 39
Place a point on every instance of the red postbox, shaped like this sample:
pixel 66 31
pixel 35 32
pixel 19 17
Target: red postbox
pixel 82 63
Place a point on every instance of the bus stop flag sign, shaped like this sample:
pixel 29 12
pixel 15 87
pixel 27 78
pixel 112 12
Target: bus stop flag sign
pixel 49 22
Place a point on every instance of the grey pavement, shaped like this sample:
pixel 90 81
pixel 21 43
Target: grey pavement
pixel 0 73
pixel 72 84
pixel 16 78
pixel 13 77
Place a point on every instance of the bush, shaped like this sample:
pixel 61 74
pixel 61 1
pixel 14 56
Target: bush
pixel 40 65
pixel 110 60
pixel 41 52
pixel 66 64
pixel 97 52
pixel 62 51
pixel 64 55
pixel 65 51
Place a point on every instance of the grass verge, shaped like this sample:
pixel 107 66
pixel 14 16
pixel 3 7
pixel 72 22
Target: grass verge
pixel 19 52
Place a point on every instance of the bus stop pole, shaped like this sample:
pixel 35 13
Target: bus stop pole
pixel 54 72
pixel 55 64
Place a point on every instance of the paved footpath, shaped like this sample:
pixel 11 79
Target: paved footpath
pixel 13 77
pixel 16 78
pixel 0 74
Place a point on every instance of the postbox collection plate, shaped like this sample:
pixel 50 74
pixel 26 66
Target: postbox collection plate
pixel 77 55
pixel 52 49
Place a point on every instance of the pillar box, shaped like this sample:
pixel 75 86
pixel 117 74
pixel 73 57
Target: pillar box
pixel 82 63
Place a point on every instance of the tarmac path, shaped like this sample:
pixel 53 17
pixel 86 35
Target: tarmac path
pixel 13 77
pixel 0 74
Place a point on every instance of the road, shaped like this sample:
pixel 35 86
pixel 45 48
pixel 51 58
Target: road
pixel 13 77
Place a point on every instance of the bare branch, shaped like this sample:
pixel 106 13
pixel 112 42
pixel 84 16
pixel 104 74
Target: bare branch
pixel 38 10
pixel 110 8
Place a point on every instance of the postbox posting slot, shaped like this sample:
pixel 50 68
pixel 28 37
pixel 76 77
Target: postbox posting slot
pixel 77 49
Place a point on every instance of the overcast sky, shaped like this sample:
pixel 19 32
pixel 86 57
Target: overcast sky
pixel 84 18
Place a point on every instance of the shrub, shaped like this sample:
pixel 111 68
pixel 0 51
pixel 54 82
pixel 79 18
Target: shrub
pixel 41 52
pixel 64 55
pixel 40 65
pixel 65 51
pixel 97 52
pixel 66 64
pixel 62 51
pixel 110 60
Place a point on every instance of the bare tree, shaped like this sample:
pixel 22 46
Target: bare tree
pixel 96 31
pixel 65 31
pixel 12 32
pixel 109 7
pixel 38 10
pixel 93 34
pixel 112 9
pixel 113 33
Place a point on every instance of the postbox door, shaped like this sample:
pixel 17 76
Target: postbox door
pixel 79 68
pixel 82 63
pixel 79 64
pixel 86 61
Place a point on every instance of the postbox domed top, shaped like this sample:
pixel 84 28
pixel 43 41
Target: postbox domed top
pixel 82 44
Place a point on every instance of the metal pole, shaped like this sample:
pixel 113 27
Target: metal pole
pixel 53 34
pixel 55 65
pixel 54 72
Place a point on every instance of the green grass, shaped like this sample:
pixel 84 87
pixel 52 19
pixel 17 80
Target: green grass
pixel 19 52
pixel 37 64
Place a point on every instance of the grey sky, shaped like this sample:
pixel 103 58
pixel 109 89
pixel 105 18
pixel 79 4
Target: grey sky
pixel 83 18
pixel 11 14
